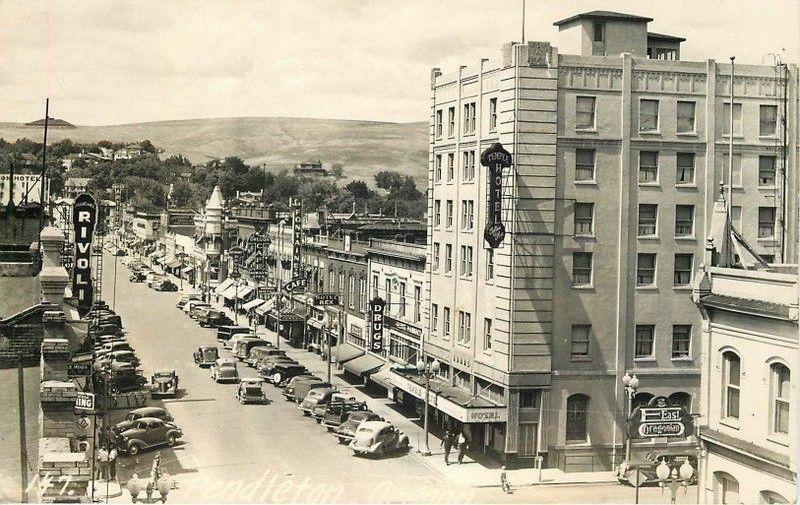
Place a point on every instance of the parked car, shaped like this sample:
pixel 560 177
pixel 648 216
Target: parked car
pixel 378 438
pixel 137 277
pixel 133 415
pixel 318 412
pixel 225 332
pixel 231 344
pixel 258 352
pixel 191 303
pixel 347 430
pixel 243 346
pixel 290 384
pixel 266 366
pixel 197 309
pixel 113 344
pixel 282 371
pixel 147 432
pixel 303 387
pixel 251 390
pixel 206 355
pixel 165 285
pixel 185 297
pixel 164 383
pixel 121 252
pixel 151 278
pixel 224 370
pixel 336 412
pixel 124 356
pixel 314 398
pixel 212 318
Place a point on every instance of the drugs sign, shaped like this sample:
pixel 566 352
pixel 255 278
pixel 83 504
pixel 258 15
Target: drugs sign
pixel 376 309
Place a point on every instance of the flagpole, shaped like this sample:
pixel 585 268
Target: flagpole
pixel 44 166
pixel 729 208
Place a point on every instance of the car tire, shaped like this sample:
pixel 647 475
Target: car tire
pixel 133 449
pixel 329 429
pixel 342 441
pixel 171 439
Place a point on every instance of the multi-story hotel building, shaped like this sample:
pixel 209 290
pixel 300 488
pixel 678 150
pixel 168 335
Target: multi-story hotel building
pixel 619 148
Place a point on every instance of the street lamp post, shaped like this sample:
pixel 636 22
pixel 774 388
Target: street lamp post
pixel 182 257
pixel 674 477
pixel 631 384
pixel 428 369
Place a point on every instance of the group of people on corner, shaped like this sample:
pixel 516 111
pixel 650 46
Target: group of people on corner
pixel 450 440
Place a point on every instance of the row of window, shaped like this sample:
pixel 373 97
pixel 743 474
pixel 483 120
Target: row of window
pixel 467 214
pixel 398 306
pixel 466 263
pixel 467 167
pixel 684 172
pixel 468 121
pixel 685 117
pixel 581 339
pixel 582 269
pixel 464 330
pixel 779 385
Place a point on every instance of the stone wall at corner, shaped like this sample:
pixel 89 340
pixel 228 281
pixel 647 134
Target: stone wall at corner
pixel 21 338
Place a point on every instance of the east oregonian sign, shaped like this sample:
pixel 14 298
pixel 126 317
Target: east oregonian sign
pixel 660 418
pixel 495 158
pixel 84 217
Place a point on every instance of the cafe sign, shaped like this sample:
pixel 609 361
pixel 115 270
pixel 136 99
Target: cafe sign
pixel 659 418
pixel 495 158
pixel 376 309
pixel 84 217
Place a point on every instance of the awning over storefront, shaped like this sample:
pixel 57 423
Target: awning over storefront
pixel 252 304
pixel 262 309
pixel 187 270
pixel 230 293
pixel 453 401
pixel 344 352
pixel 381 378
pixel 243 292
pixel 363 365
pixel 222 286
pixel 172 263
pixel 315 323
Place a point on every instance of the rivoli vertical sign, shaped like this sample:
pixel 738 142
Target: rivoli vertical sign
pixel 84 219
pixel 495 158
pixel 376 309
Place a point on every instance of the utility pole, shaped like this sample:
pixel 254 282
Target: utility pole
pixel 23 437
pixel 43 177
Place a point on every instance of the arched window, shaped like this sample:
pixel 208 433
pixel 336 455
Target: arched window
pixel 731 379
pixel 780 379
pixel 770 497
pixel 577 417
pixel 726 488
pixel 640 400
pixel 681 399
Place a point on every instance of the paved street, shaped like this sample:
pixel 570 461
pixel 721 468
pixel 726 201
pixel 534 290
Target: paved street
pixel 253 453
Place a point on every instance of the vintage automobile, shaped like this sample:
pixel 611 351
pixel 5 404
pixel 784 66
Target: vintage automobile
pixel 151 278
pixel 242 348
pixel 314 398
pixel 164 383
pixel 185 297
pixel 113 345
pixel 224 370
pixel 303 387
pixel 137 277
pixel 231 343
pixel 290 384
pixel 265 365
pixel 261 351
pixel 251 390
pixel 145 433
pixel 206 355
pixel 121 252
pixel 282 371
pixel 165 285
pixel 336 412
pixel 133 415
pixel 347 430
pixel 212 318
pixel 226 332
pixel 378 438
pixel 187 307
pixel 198 308
pixel 318 412
pixel 126 356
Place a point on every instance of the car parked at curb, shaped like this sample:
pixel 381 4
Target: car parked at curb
pixel 318 412
pixel 226 332
pixel 137 277
pixel 347 430
pixel 224 370
pixel 303 387
pixel 147 432
pixel 206 355
pixel 136 414
pixel 251 390
pixel 261 351
pixel 377 438
pixel 314 398
pixel 165 285
pixel 164 383
pixel 337 412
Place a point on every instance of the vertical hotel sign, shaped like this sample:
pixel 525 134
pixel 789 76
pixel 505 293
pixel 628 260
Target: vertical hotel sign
pixel 495 158
pixel 297 236
pixel 84 218
pixel 376 309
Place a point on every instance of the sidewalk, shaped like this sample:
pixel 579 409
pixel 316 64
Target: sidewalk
pixel 470 472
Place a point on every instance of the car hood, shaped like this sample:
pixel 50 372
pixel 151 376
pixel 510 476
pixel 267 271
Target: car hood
pixel 348 427
pixel 363 439
pixel 123 426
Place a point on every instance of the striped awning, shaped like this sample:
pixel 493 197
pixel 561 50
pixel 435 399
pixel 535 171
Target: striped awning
pixel 252 304
pixel 222 286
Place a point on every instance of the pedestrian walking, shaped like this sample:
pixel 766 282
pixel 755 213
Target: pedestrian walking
pixel 447 443
pixel 462 447
pixel 504 484
pixel 112 463
pixel 156 470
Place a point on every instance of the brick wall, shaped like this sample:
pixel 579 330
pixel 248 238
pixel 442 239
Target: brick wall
pixel 21 338
pixel 62 473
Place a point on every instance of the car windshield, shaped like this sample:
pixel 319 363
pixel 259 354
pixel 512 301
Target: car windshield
pixel 365 431
pixel 253 390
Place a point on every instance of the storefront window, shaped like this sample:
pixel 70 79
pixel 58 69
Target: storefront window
pixel 577 410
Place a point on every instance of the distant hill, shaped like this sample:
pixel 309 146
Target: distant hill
pixel 362 147
pixel 52 123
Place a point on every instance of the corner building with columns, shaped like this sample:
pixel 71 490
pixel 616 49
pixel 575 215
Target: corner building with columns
pixel 619 150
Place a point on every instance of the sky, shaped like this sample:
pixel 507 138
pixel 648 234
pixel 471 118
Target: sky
pixel 114 62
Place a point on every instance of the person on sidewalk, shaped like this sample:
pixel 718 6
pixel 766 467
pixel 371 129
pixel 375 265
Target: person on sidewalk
pixel 462 447
pixel 447 443
pixel 504 484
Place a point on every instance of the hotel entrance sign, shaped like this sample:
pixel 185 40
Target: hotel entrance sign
pixel 495 158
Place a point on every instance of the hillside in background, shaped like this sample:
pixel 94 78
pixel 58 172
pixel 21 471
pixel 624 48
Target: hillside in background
pixel 362 147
